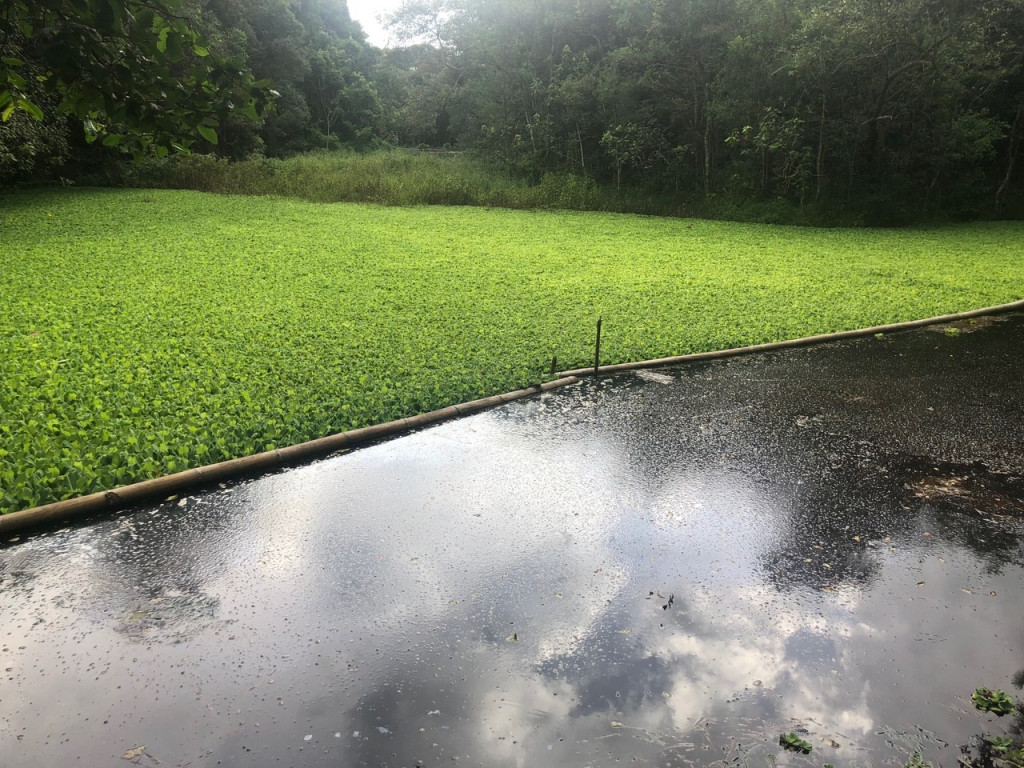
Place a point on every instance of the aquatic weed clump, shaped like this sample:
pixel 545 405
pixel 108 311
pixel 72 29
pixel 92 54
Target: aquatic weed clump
pixel 995 701
pixel 794 743
pixel 144 332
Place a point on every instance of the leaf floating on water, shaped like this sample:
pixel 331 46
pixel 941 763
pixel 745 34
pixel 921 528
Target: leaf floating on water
pixel 135 753
pixel 625 631
pixel 513 638
pixel 793 742
pixel 992 700
pixel 920 583
pixel 308 737
pixel 616 724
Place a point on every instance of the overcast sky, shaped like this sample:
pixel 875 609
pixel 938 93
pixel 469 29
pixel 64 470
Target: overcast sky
pixel 366 12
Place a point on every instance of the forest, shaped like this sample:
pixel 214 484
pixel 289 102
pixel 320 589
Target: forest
pixel 900 110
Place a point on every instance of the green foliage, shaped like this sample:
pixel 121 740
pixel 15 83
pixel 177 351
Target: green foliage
pixel 992 700
pixel 858 105
pixel 882 113
pixel 320 70
pixel 29 147
pixel 1012 758
pixel 632 146
pixel 793 742
pixel 916 761
pixel 999 744
pixel 137 74
pixel 780 163
pixel 146 331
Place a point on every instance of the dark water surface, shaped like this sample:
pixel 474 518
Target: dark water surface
pixel 666 568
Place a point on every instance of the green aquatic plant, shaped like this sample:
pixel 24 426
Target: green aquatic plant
pixel 794 743
pixel 999 744
pixel 143 332
pixel 995 701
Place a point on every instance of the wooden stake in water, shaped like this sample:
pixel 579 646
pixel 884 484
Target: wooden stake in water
pixel 597 347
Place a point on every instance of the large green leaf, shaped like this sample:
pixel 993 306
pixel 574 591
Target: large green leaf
pixel 208 133
pixel 31 109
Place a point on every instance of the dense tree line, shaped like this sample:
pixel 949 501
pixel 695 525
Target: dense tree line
pixel 899 107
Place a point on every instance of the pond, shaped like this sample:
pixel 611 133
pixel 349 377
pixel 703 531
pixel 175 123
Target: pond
pixel 666 568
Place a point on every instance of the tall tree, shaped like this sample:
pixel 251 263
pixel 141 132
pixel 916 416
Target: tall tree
pixel 316 58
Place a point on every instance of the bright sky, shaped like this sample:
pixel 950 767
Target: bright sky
pixel 366 13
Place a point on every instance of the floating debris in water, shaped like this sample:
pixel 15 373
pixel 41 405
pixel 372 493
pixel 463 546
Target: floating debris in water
pixel 136 752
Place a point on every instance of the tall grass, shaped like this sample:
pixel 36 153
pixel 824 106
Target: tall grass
pixel 403 177
pixel 391 177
